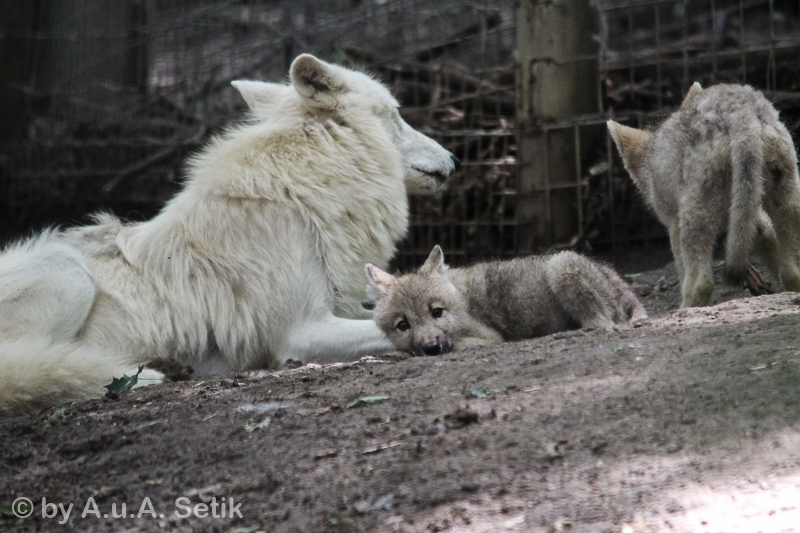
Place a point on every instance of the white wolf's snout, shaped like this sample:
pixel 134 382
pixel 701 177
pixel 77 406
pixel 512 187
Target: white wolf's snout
pixel 427 164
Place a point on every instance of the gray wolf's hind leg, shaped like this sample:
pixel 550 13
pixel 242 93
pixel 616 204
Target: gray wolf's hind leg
pixel 782 204
pixel 697 247
pixel 766 246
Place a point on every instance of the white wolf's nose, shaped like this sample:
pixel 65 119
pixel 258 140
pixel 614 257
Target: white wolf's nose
pixel 456 161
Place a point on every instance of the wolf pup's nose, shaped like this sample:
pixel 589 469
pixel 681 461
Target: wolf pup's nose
pixel 456 161
pixel 432 349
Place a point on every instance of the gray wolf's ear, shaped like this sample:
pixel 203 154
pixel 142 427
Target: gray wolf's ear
pixel 631 145
pixel 379 281
pixel 258 93
pixel 316 81
pixel 435 262
pixel 694 90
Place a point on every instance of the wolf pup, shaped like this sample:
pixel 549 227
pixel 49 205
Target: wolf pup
pixel 722 163
pixel 258 260
pixel 437 309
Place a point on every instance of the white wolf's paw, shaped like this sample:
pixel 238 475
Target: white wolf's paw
pixel 148 376
pixel 167 370
pixel 160 371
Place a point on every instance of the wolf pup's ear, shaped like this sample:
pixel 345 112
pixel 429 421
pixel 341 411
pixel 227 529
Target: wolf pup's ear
pixel 380 282
pixel 694 90
pixel 630 143
pixel 258 93
pixel 316 81
pixel 435 263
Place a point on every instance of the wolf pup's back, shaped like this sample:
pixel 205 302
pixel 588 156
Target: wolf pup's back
pixel 436 309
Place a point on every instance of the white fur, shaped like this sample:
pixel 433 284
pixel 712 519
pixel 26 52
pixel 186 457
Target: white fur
pixel 258 260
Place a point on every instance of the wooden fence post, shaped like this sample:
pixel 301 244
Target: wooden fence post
pixel 557 79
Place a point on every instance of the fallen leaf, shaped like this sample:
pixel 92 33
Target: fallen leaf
pixel 325 453
pixel 366 400
pixel 252 427
pixel 480 392
pixel 125 382
pixel 55 417
pixel 555 450
pixel 561 524
pixel 384 502
pixel 381 448
pixel 211 489
pixel 514 522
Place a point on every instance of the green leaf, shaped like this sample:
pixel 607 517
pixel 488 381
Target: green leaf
pixel 7 509
pixel 54 417
pixel 367 399
pixel 480 392
pixel 483 392
pixel 125 382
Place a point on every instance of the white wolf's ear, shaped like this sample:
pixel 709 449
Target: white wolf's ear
pixel 631 145
pixel 694 90
pixel 435 263
pixel 316 81
pixel 380 282
pixel 258 93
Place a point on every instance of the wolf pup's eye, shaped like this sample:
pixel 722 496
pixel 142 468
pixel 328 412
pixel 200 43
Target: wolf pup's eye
pixel 436 312
pixel 403 325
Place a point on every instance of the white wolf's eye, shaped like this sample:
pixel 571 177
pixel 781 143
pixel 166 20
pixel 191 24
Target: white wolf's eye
pixel 403 325
pixel 436 312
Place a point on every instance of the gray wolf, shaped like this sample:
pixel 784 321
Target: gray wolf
pixel 721 164
pixel 257 261
pixel 437 309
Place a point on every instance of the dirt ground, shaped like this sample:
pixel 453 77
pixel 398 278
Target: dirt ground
pixel 688 422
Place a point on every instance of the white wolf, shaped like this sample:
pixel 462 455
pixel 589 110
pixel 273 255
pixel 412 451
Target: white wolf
pixel 258 260
pixel 722 163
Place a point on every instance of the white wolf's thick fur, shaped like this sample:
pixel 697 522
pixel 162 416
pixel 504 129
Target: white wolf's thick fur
pixel 259 259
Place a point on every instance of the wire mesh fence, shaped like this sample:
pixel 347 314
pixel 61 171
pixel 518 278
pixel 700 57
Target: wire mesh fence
pixel 650 53
pixel 114 95
pixel 104 100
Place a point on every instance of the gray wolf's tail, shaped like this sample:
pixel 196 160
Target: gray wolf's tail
pixel 35 373
pixel 747 188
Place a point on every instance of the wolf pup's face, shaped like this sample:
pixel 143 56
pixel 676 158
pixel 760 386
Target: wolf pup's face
pixel 357 100
pixel 418 312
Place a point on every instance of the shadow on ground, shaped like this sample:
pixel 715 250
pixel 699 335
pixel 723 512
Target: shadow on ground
pixel 686 423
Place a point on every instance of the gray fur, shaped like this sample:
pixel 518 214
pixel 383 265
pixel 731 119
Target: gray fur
pixel 498 301
pixel 722 164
